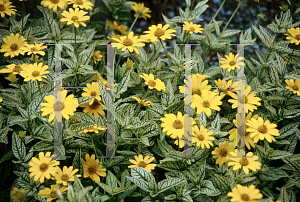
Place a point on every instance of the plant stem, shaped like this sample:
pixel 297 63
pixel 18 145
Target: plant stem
pixel 22 16
pixel 231 17
pixel 165 50
pixel 218 11
pixel 133 23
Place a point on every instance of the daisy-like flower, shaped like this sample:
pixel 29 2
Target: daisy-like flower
pixel 42 168
pixel 140 8
pixel 95 108
pixel 232 62
pixel 206 102
pixel 248 140
pixel 96 56
pixel 202 137
pixel 157 83
pixel 65 175
pixel 91 168
pixel 14 45
pixel 82 4
pixel 94 129
pixel 14 69
pixel 67 106
pixel 148 38
pixel 129 42
pixel 145 163
pixel 34 72
pixel 53 4
pixel 92 90
pixel 194 85
pixel 244 194
pixel 17 194
pixel 144 102
pixel 161 32
pixel 175 125
pixel 75 17
pixel 250 100
pixel 225 88
pixel 191 28
pixel 293 86
pixel 261 130
pixel 6 8
pixel 222 152
pixel 294 35
pixel 120 28
pixel 114 36
pixel 35 49
pixel 12 77
pixel 245 163
pixel 50 193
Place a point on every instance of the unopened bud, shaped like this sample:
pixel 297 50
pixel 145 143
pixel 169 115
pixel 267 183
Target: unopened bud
pixel 284 7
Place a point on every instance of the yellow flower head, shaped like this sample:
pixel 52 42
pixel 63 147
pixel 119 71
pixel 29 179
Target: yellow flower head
pixel 202 137
pixel 82 4
pixel 92 90
pixel 145 163
pixel 35 49
pixel 222 152
pixel 96 56
pixel 129 64
pixel 114 36
pixel 50 193
pixel 232 62
pixel 225 88
pixel 120 28
pixel 12 77
pixel 34 72
pixel 148 38
pixel 293 86
pixel 181 142
pixel 53 4
pixel 1 100
pixel 191 28
pixel 149 80
pixel 95 108
pixel 75 17
pixel 140 8
pixel 91 168
pixel 143 102
pixel 6 8
pixel 243 194
pixel 93 129
pixel 65 175
pixel 14 45
pixel 294 35
pixel 161 32
pixel 14 69
pixel 17 194
pixel 246 162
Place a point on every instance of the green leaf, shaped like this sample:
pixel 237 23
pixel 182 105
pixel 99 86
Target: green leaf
pixel 278 154
pixel 85 56
pixel 291 113
pixel 18 147
pixel 216 123
pixel 8 155
pixel 122 87
pixel 111 181
pixel 272 174
pixel 141 173
pixel 169 183
pixel 287 130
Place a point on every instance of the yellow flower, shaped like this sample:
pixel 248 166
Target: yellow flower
pixel 42 168
pixel 148 38
pixel 222 152
pixel 34 72
pixel 22 133
pixel 6 8
pixel 231 62
pixel 67 106
pixel 244 194
pixel 14 69
pixel 293 86
pixel 175 125
pixel 157 83
pixel 142 9
pixel 95 108
pixel 250 100
pixel 144 102
pixel 233 132
pixel 161 32
pixel 276 201
pixel 129 64
pixel 17 194
pixel 202 137
pixel 94 129
pixel 145 163
pixel 225 88
pixel 206 102
pixel 91 168
pixel 35 49
pixel 53 4
pixel 194 85
pixel 181 143
pixel 82 4
pixel 13 45
pixel 120 28
pixel 245 163
pixel 51 194
pixel 65 175
pixel 12 77
pixel 294 35
pixel 92 90
pixel 75 17
pixel 262 130
pixel 96 56
pixel 129 42
pixel 114 36
pixel 191 28
pixel 1 100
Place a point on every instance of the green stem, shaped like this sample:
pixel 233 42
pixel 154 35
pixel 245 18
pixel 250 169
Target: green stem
pixel 133 23
pixel 165 50
pixel 139 106
pixel 231 17
pixel 218 11
pixel 22 16
pixel 192 4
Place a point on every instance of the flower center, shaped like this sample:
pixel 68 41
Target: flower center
pixel 206 104
pixel 14 47
pixel 92 170
pixel 79 2
pixel 196 91
pixel 64 177
pixel 152 83
pixel 245 197
pixel 74 18
pixel 93 93
pixel 127 42
pixel 53 194
pixel 297 37
pixel 177 124
pixel 246 100
pixel 223 152
pixel 2 8
pixel 295 88
pixel 58 106
pixel 192 29
pixel 35 74
pixel 43 167
pixel 263 129
pixel 34 49
pixel 232 63
pixel 17 69
pixel 244 162
pixel 159 32
pixel 200 137
pixel 54 1
pixel 142 164
pixel 94 105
